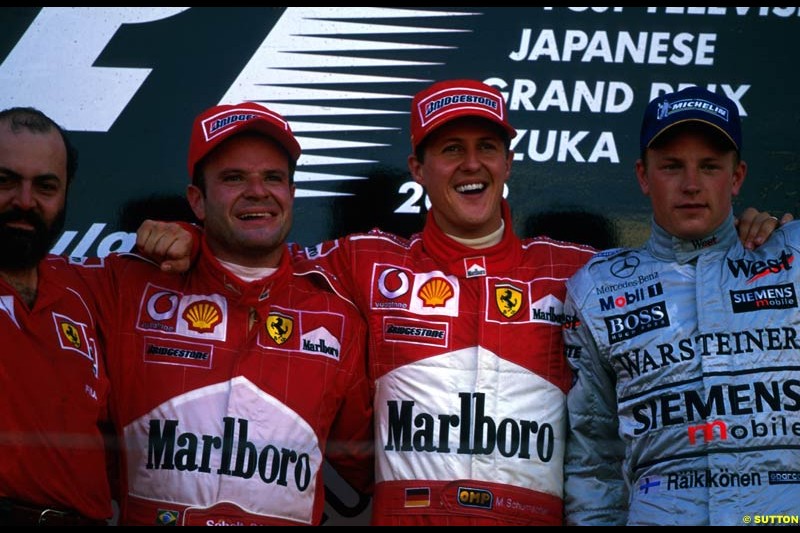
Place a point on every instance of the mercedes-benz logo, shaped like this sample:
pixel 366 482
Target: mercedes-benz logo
pixel 625 267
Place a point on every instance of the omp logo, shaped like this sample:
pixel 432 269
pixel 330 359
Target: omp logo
pixel 470 497
pixel 754 270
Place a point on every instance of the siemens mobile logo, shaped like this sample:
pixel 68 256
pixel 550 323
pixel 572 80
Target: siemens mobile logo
pixel 636 322
pixel 764 298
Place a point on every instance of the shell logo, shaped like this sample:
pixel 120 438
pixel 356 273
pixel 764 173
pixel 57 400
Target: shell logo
pixel 435 292
pixel 203 316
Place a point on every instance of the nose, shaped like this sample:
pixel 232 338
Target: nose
pixel 691 180
pixel 471 160
pixel 23 195
pixel 256 187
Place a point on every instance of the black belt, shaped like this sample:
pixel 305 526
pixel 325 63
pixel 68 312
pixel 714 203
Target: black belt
pixel 15 513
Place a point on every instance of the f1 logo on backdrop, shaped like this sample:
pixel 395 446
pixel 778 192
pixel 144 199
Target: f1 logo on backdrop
pixel 60 64
pixel 53 65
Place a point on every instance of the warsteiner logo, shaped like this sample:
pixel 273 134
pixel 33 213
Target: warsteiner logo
pixel 279 327
pixel 508 299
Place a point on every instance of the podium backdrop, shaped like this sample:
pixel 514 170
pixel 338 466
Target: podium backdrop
pixel 127 83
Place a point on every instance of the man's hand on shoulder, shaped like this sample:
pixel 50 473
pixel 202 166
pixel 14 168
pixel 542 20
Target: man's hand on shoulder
pixel 755 226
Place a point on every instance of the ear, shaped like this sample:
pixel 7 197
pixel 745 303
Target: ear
pixel 509 161
pixel 197 201
pixel 739 173
pixel 415 167
pixel 641 177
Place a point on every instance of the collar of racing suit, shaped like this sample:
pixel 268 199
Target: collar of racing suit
pixel 460 259
pixel 222 280
pixel 670 248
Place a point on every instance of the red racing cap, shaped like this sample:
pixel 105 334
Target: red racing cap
pixel 218 123
pixel 447 100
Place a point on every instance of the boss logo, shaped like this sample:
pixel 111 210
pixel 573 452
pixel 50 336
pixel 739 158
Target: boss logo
pixel 636 322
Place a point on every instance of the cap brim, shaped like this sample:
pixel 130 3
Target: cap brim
pixel 696 120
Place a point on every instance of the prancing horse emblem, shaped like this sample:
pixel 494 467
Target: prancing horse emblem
pixel 279 327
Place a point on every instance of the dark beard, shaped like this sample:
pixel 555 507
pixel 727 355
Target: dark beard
pixel 23 249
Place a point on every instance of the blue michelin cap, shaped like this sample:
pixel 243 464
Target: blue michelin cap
pixel 693 104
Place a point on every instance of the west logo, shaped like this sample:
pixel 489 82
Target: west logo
pixel 754 270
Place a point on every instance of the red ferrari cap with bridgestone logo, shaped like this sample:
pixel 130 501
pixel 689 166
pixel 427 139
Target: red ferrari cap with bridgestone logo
pixel 448 100
pixel 218 123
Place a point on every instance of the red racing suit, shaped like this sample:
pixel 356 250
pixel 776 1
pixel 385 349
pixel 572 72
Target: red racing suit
pixel 470 376
pixel 55 394
pixel 228 395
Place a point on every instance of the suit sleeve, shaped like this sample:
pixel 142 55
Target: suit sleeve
pixel 350 443
pixel 595 491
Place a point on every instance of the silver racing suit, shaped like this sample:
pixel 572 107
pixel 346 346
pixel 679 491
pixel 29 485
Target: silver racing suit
pixel 686 404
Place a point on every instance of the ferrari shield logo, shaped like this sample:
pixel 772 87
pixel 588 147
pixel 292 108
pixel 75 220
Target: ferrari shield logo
pixel 508 299
pixel 279 327
pixel 71 334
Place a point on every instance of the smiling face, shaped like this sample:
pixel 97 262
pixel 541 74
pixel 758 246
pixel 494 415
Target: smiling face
pixel 691 178
pixel 246 207
pixel 464 170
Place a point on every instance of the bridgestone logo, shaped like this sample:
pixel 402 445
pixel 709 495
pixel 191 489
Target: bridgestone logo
pixel 199 355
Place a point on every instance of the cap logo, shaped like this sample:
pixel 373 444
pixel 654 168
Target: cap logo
pixel 666 108
pixel 457 99
pixel 231 118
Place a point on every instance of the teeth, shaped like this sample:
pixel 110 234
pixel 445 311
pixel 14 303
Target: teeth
pixel 253 215
pixel 471 187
